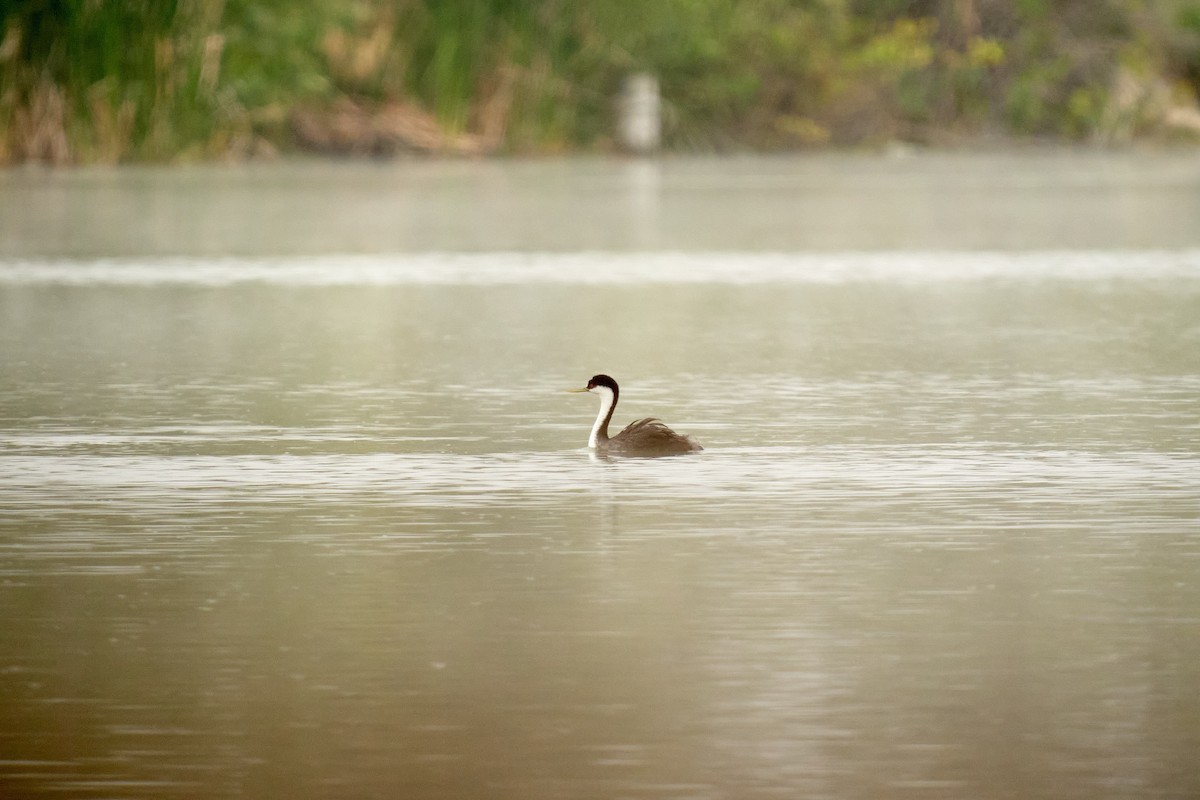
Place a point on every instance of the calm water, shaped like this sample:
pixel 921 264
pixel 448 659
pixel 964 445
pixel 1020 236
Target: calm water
pixel 292 503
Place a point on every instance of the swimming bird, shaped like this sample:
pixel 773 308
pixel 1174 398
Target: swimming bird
pixel 647 437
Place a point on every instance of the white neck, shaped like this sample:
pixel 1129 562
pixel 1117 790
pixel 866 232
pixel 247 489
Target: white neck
pixel 599 429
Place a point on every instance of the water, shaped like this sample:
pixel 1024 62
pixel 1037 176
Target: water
pixel 302 511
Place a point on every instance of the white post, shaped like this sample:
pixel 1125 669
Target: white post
pixel 640 123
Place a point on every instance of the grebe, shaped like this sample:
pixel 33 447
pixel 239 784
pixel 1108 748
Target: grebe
pixel 647 437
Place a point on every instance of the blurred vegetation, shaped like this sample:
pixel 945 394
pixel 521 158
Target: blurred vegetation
pixel 169 80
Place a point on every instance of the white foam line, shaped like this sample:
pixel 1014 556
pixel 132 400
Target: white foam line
pixel 614 268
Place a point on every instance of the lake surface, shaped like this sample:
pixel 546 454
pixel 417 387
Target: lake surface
pixel 292 503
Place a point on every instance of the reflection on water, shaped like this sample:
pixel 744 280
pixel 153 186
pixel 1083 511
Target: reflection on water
pixel 325 527
pixel 1023 201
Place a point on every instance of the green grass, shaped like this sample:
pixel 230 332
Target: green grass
pixel 167 80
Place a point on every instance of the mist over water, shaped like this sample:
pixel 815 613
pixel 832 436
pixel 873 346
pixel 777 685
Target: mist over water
pixel 301 509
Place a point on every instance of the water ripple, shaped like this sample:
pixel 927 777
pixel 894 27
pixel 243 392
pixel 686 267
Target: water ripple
pixel 745 476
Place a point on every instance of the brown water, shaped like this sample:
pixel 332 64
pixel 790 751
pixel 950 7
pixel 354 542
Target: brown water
pixel 298 509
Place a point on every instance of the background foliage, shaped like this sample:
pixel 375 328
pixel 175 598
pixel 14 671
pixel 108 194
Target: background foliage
pixel 120 80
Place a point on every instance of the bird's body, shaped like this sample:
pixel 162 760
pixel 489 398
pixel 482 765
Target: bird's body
pixel 645 438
